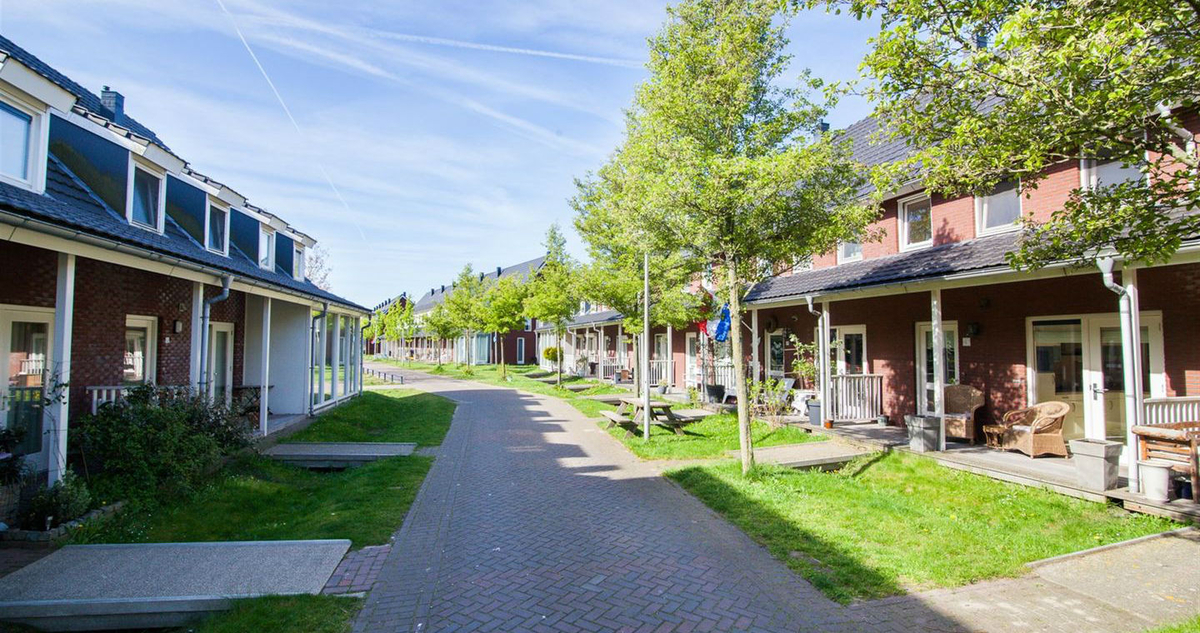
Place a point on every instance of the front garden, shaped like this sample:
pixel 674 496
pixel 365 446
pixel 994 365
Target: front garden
pixel 894 523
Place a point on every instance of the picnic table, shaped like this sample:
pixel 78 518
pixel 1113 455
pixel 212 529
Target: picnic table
pixel 660 412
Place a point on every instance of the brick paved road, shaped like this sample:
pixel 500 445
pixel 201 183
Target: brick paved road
pixel 532 519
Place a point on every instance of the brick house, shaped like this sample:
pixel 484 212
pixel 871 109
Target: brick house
pixel 520 346
pixel 122 265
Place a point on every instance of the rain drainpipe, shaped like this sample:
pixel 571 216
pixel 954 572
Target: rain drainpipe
pixel 205 357
pixel 822 361
pixel 1131 357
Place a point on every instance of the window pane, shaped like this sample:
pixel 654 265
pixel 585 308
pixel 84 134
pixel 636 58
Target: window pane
pixel 1003 206
pixel 851 250
pixel 14 142
pixel 1058 346
pixel 853 345
pixel 298 264
pixel 920 228
pixel 145 198
pixel 266 246
pixel 134 369
pixel 1114 172
pixel 216 229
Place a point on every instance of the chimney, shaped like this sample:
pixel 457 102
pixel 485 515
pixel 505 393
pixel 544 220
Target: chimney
pixel 115 102
pixel 443 288
pixel 497 272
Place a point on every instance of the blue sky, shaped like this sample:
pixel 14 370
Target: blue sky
pixel 453 130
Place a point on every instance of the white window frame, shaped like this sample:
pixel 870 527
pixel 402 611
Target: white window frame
pixel 839 361
pixel 1089 174
pixel 902 220
pixel 803 263
pixel 265 230
pixel 774 372
pixel 981 227
pixel 520 350
pixel 155 172
pixel 842 259
pixel 208 208
pixel 39 142
pixel 298 262
pixel 150 324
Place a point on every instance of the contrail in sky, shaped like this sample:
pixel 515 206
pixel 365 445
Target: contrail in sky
pixel 441 41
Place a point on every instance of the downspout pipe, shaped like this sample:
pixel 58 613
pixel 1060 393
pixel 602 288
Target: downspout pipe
pixel 823 360
pixel 1131 357
pixel 206 320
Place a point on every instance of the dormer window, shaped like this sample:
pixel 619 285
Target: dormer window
pixel 849 252
pixel 916 223
pixel 266 248
pixel 999 210
pixel 298 263
pixel 146 198
pixel 217 229
pixel 16 130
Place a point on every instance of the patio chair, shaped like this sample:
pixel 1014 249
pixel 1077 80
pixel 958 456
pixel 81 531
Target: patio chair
pixel 961 403
pixel 1036 430
pixel 1177 443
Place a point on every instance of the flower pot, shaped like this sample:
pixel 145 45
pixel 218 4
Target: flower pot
pixel 715 393
pixel 1096 463
pixel 1156 479
pixel 827 424
pixel 814 411
pixel 662 390
pixel 923 433
pixel 881 420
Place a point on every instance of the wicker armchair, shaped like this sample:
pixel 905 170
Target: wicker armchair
pixel 1036 430
pixel 962 401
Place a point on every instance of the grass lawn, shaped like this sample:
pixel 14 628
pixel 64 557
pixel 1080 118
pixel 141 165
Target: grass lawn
pixel 389 415
pixel 1191 625
pixel 254 498
pixel 708 438
pixel 886 525
pixel 280 614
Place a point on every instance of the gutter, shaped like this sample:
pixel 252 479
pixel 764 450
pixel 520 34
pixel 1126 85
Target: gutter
pixel 42 226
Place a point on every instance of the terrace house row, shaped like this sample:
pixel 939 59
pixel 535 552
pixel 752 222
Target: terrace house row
pixel 121 265
pixel 1019 337
pixel 519 345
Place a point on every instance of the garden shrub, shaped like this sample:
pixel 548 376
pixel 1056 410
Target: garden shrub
pixel 156 443
pixel 551 354
pixel 12 466
pixel 52 506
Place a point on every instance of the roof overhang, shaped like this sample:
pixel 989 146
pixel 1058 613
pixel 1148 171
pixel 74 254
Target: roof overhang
pixel 33 84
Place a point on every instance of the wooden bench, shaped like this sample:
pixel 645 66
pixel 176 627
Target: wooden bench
pixel 1177 443
pixel 616 419
pixel 692 415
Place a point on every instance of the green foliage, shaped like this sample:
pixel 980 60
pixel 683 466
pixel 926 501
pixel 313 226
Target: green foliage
pixel 156 443
pixel 552 354
pixel 285 614
pixel 1055 82
pixel 52 506
pixel 891 523
pixel 553 295
pixel 711 438
pixel 804 361
pixel 441 325
pixel 12 466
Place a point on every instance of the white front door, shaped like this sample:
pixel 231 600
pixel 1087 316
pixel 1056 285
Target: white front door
pixel 926 385
pixel 692 359
pixel 220 362
pixel 1104 374
pixel 521 350
pixel 26 339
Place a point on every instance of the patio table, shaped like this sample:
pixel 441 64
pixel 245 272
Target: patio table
pixel 660 412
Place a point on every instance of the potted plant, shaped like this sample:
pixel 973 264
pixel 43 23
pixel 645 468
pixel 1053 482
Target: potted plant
pixel 805 367
pixel 12 472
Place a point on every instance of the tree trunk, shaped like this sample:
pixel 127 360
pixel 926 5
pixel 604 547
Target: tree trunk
pixel 559 356
pixel 739 370
pixel 503 370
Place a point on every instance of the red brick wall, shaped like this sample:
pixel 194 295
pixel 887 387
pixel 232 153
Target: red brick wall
pixel 1052 191
pixel 232 310
pixel 1176 291
pixel 28 275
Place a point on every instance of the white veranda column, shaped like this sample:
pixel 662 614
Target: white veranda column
pixel 755 367
pixel 939 360
pixel 826 369
pixel 58 411
pixel 1131 349
pixel 337 355
pixel 265 377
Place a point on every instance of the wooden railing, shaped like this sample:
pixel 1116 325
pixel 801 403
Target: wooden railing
pixel 609 367
pixel 856 397
pixel 102 395
pixel 660 372
pixel 33 365
pixel 1168 410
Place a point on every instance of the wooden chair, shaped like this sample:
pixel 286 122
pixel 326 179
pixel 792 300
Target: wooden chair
pixel 1036 430
pixel 961 403
pixel 1177 443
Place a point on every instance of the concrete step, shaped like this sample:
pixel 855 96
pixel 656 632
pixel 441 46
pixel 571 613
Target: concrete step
pixel 157 585
pixel 334 455
pixel 810 455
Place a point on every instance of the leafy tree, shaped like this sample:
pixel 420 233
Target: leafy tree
pixel 464 304
pixel 401 323
pixel 317 267
pixel 553 297
pixel 1004 89
pixel 724 163
pixel 504 310
pixel 442 326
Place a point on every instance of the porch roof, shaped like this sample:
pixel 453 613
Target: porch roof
pixel 929 263
pixel 604 317
pixel 69 204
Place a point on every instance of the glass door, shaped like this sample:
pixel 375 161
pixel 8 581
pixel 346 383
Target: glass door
pixel 692 375
pixel 775 361
pixel 220 364
pixel 1058 369
pixel 1105 393
pixel 925 377
pixel 25 341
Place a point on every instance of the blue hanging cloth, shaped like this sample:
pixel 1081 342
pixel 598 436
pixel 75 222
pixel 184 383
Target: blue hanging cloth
pixel 722 334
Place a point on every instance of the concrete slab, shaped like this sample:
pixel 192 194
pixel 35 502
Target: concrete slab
pixel 1157 579
pixel 578 386
pixel 337 454
pixel 811 455
pixel 146 585
pixel 607 398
